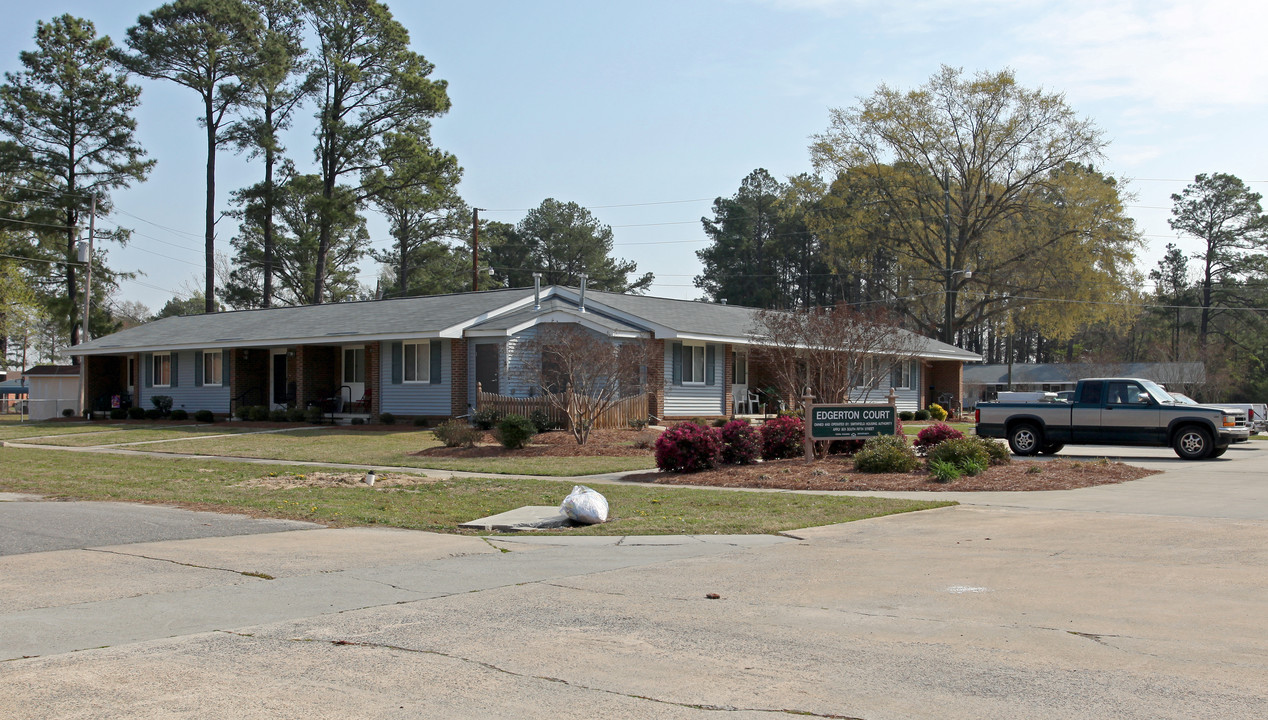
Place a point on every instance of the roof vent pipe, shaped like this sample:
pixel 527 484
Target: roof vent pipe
pixel 583 291
pixel 537 291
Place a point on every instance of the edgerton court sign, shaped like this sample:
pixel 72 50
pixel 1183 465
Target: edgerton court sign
pixel 852 422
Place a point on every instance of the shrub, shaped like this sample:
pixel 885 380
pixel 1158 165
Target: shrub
pixel 295 414
pixel 118 413
pixel 887 453
pixel 936 433
pixel 921 415
pixel 136 413
pixel 204 416
pixel 162 403
pixel 514 431
pixel 688 447
pixel 541 420
pixel 313 415
pixel 387 418
pixel 719 422
pixel 845 447
pixel 943 471
pixel 358 421
pixel 645 439
pixel 741 444
pixel 456 433
pixel 966 454
pixel 782 437
pixel 420 421
pixel 906 415
pixel 153 414
pixel 277 416
pixel 486 419
pixel 67 412
pixel 257 413
pixel 635 424
pixel 937 412
pixel 243 412
pixel 997 451
pixel 179 414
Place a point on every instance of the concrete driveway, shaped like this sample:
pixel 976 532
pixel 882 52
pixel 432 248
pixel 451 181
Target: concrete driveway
pixel 1088 604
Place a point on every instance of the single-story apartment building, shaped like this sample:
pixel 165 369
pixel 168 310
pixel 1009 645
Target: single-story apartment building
pixel 426 356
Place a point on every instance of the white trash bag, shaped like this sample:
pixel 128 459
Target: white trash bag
pixel 584 505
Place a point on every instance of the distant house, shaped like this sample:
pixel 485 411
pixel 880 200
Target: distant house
pixel 13 394
pixel 426 356
pixel 52 389
pixel 983 382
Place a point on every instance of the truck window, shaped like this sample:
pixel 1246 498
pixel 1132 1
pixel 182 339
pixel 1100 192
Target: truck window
pixel 1091 393
pixel 1126 393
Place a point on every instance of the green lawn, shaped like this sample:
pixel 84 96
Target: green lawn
pixel 17 431
pixel 439 506
pixel 394 448
pixel 132 434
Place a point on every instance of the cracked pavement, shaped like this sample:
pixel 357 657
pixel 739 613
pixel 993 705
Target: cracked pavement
pixel 965 612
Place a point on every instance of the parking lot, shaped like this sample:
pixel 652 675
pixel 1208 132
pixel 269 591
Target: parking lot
pixel 1141 600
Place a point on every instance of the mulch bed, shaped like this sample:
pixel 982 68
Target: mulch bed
pixel 834 473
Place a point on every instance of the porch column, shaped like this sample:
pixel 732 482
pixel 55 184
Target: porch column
pixel 656 379
pixel 458 377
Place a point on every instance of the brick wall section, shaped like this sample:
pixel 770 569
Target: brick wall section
pixel 249 373
pixel 945 376
pixel 104 375
pixel 315 371
pixel 457 377
pixel 656 378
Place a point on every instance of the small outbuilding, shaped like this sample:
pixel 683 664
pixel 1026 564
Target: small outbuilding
pixel 51 390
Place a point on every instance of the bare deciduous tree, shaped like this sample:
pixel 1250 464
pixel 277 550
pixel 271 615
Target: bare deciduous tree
pixel 583 373
pixel 837 353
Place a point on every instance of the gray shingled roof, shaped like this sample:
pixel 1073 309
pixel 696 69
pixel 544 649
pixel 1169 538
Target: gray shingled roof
pixel 431 315
pixel 334 322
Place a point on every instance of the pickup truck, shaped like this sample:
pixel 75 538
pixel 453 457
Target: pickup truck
pixel 1114 411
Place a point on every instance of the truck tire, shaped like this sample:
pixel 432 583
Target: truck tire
pixel 1218 452
pixel 1192 443
pixel 1052 448
pixel 1024 439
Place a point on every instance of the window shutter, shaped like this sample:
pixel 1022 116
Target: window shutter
pixel 896 376
pixel 435 362
pixel 224 367
pixel 174 356
pixel 710 358
pixel 676 365
pixel 398 363
pixel 147 360
pixel 198 368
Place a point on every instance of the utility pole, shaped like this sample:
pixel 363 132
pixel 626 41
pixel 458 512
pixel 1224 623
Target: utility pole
pixel 948 334
pixel 475 248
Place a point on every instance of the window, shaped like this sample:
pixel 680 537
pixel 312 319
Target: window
pixel 693 364
pixel 213 367
pixel 739 368
pixel 162 369
pixel 354 365
pixel 901 376
pixel 417 362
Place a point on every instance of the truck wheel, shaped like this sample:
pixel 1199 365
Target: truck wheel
pixel 1024 440
pixel 1052 448
pixel 1192 443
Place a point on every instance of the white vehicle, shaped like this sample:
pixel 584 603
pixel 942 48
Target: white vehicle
pixel 1017 396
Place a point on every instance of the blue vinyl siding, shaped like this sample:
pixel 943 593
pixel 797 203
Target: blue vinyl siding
pixel 415 398
pixel 185 395
pixel 693 400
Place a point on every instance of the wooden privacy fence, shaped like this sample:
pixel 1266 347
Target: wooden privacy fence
pixel 618 416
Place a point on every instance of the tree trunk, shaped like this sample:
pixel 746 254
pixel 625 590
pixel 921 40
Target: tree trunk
pixel 209 291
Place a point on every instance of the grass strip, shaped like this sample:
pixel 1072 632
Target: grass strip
pixel 435 506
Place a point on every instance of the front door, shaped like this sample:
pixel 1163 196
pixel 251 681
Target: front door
pixel 277 380
pixel 487 367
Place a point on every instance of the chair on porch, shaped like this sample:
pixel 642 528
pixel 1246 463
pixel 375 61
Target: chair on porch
pixel 362 405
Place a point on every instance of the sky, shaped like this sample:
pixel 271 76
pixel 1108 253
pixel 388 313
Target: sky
pixel 645 112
